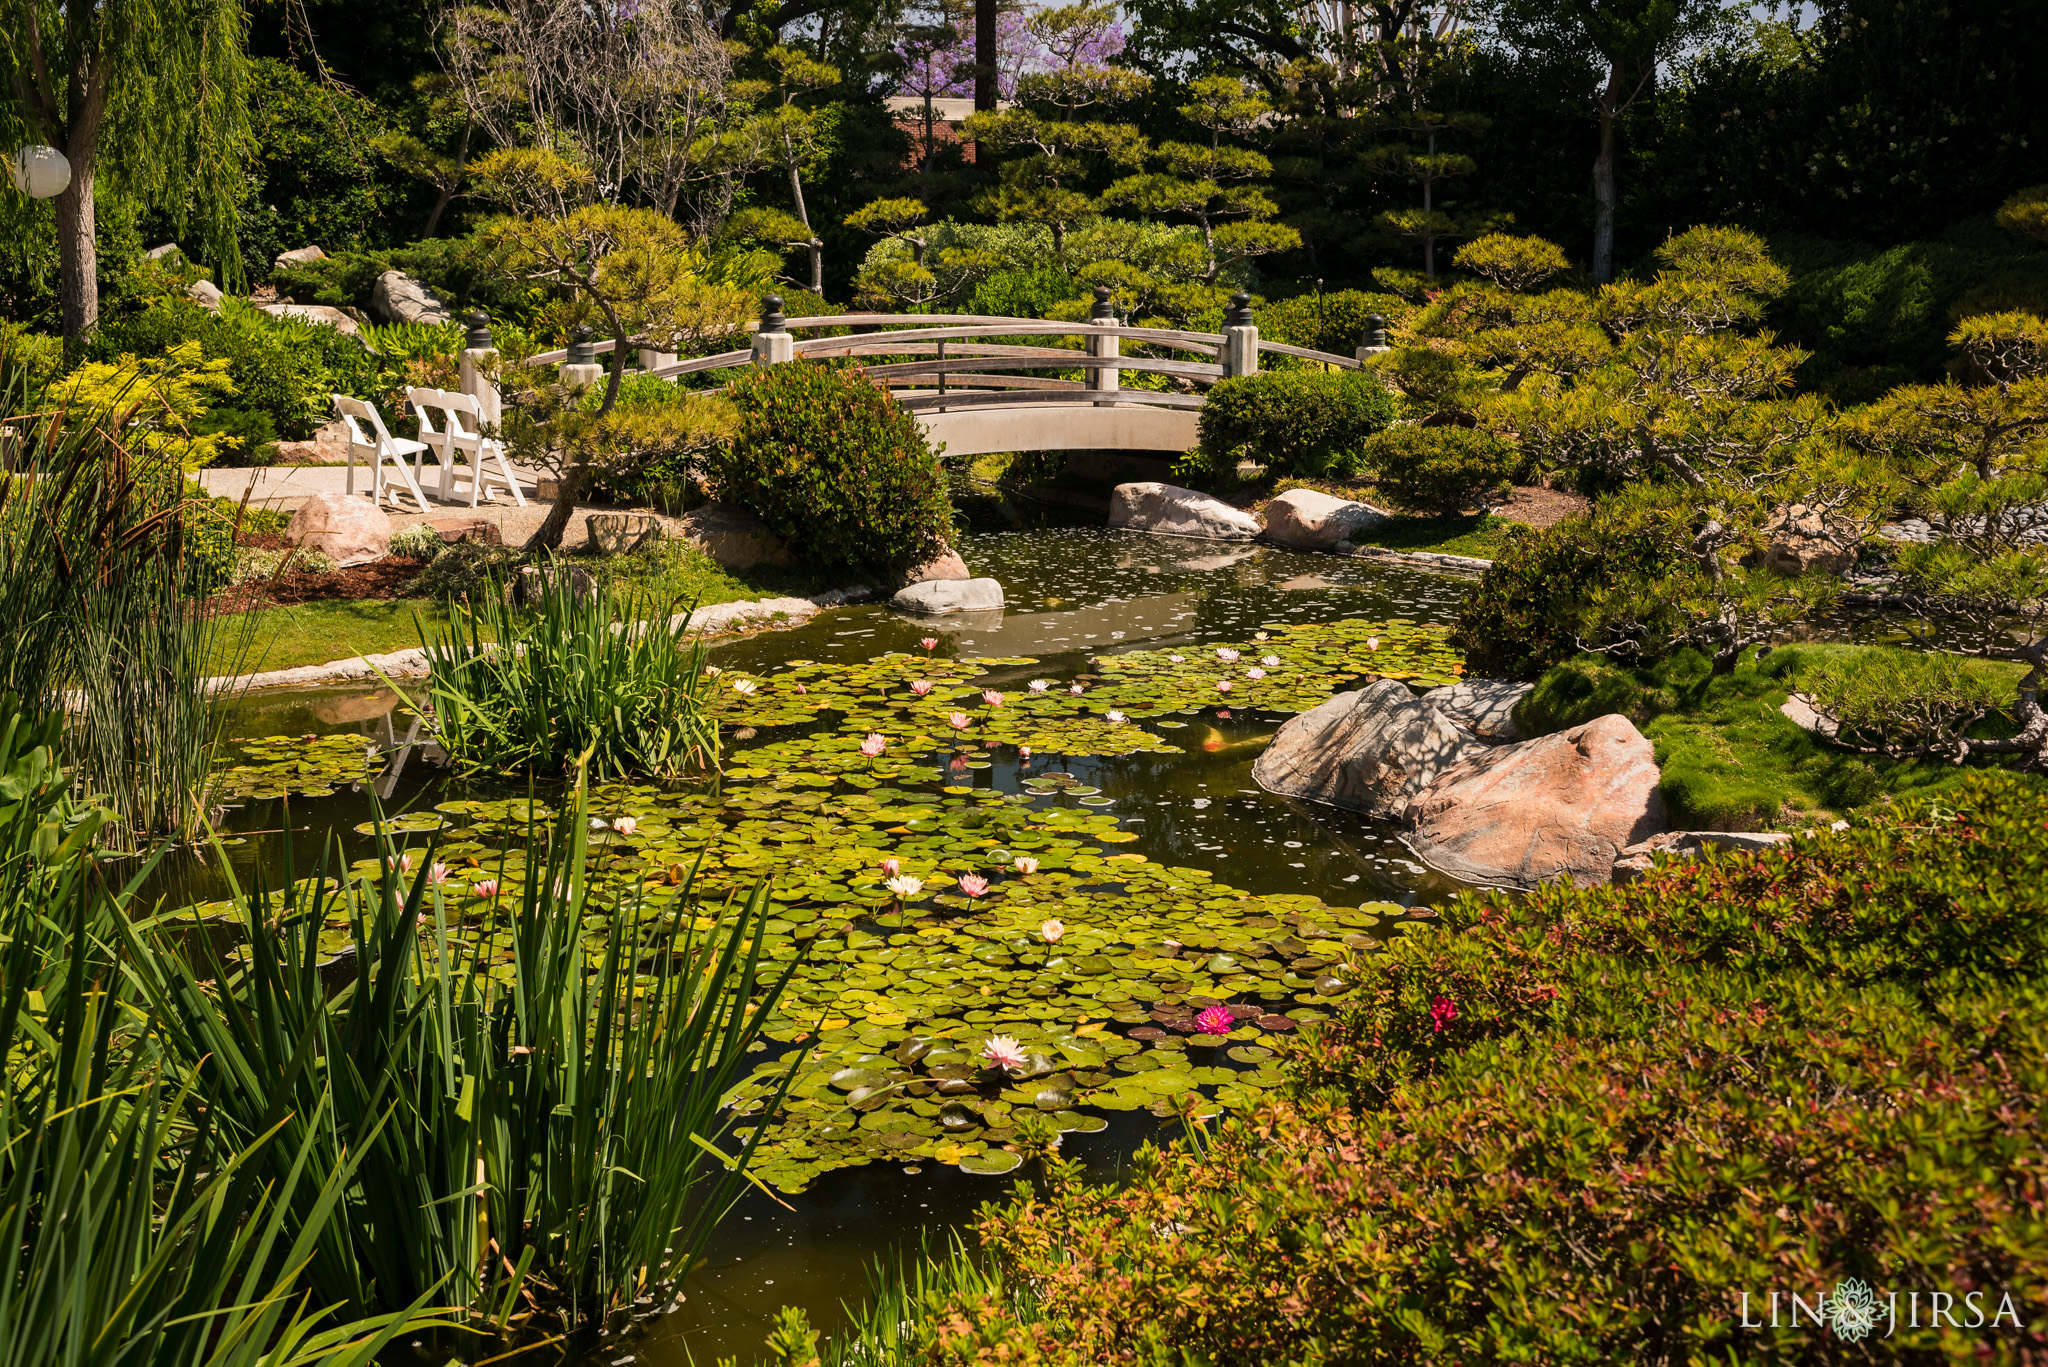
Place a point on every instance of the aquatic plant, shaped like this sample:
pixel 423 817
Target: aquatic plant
pixel 616 678
pixel 533 1120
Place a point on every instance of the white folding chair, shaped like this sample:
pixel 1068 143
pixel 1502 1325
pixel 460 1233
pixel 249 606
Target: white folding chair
pixel 377 446
pixel 458 442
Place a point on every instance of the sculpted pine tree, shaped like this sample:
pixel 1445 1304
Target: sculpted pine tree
pixel 146 97
pixel 1214 185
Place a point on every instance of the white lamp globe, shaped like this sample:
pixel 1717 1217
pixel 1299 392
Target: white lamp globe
pixel 40 172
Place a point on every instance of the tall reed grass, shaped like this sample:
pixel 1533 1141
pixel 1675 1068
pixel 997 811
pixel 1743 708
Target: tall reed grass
pixel 128 1233
pixel 539 1125
pixel 105 593
pixel 616 678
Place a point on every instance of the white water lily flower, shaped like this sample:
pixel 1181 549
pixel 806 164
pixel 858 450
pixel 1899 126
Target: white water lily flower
pixel 744 686
pixel 903 885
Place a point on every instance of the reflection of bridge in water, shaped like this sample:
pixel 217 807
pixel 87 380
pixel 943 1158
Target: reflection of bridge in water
pixel 966 376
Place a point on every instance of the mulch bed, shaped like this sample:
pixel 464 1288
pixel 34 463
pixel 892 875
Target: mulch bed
pixel 383 579
pixel 1540 507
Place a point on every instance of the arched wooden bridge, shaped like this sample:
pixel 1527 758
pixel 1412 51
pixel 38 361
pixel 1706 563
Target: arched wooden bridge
pixel 967 376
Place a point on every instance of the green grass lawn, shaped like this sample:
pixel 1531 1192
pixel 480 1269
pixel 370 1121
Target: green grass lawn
pixel 1731 760
pixel 666 573
pixel 1480 534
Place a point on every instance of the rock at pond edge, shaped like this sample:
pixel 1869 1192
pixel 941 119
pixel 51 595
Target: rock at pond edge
pixel 1169 510
pixel 347 528
pixel 1369 751
pixel 1314 521
pixel 935 597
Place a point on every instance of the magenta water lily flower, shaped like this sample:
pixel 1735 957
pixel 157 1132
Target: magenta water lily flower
pixel 486 888
pixel 1442 1011
pixel 991 697
pixel 960 721
pixel 929 642
pixel 891 866
pixel 921 687
pixel 401 863
pixel 1216 1020
pixel 973 884
pixel 1223 685
pixel 1024 752
pixel 437 874
pixel 873 745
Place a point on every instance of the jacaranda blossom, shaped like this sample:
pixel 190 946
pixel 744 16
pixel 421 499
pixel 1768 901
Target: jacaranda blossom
pixel 973 884
pixel 1216 1020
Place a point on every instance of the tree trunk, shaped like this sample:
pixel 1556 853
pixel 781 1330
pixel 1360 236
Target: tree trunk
pixel 1428 207
pixel 1604 195
pixel 455 182
pixel 569 486
pixel 78 258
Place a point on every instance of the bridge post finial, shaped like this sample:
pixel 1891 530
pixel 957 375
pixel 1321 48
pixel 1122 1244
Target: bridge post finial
pixel 1104 345
pixel 1373 341
pixel 1104 311
pixel 581 367
pixel 772 343
pixel 1240 338
pixel 476 369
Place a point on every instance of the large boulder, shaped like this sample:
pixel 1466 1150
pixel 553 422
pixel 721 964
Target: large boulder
pixel 1561 805
pixel 1317 522
pixel 1485 707
pixel 945 565
pixel 936 596
pixel 329 446
pixel 298 256
pixel 326 315
pixel 206 294
pixel 399 298
pixel 619 533
pixel 732 536
pixel 1170 510
pixel 1369 751
pixel 1805 539
pixel 347 528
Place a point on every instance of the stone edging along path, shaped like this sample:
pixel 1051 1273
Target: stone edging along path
pixel 412 663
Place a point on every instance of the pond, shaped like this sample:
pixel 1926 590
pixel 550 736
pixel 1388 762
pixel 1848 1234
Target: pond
pixel 1174 883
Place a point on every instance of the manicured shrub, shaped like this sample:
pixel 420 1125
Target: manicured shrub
pixel 835 468
pixel 1332 322
pixel 1577 1126
pixel 1295 422
pixel 1529 611
pixel 1439 471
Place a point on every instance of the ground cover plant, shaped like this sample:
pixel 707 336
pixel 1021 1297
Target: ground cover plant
pixel 1439 1178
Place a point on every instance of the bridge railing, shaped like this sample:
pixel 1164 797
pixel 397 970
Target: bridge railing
pixel 972 362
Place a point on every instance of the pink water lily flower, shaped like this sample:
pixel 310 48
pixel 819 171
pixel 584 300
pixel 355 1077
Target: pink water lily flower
pixel 921 687
pixel 1216 1020
pixel 1226 654
pixel 1026 865
pixel 1024 752
pixel 1052 930
pixel 401 863
pixel 1113 716
pixel 1075 690
pixel 991 697
pixel 1003 1051
pixel 960 721
pixel 1177 659
pixel 1270 661
pixel 437 874
pixel 1372 643
pixel 973 884
pixel 801 689
pixel 1039 685
pixel 486 888
pixel 929 642
pixel 873 745
pixel 1255 673
pixel 891 866
pixel 625 825
pixel 1223 685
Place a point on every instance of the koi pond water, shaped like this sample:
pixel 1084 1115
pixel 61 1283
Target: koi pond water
pixel 1067 783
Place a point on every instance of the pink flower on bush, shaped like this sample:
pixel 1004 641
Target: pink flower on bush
pixel 1216 1020
pixel 1442 1011
pixel 959 721
pixel 921 687
pixel 873 745
pixel 891 866
pixel 973 884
